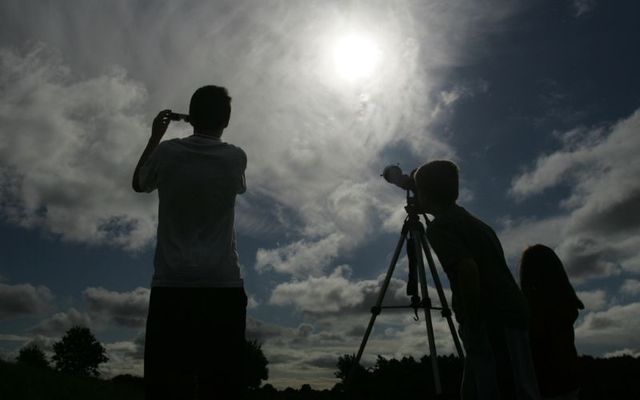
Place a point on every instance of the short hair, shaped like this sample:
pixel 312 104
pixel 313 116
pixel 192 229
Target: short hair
pixel 210 108
pixel 440 179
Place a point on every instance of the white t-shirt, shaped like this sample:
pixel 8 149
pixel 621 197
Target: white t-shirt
pixel 197 178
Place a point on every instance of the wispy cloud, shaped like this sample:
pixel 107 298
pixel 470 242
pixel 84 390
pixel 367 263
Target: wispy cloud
pixel 73 126
pixel 582 7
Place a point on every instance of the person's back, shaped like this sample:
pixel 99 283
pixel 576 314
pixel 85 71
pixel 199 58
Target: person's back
pixel 501 301
pixel 200 177
pixel 194 341
pixel 554 308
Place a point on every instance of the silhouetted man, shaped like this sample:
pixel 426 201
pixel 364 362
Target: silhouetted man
pixel 196 323
pixel 487 302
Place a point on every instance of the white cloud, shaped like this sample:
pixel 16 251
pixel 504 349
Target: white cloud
pixel 23 300
pixel 333 293
pixel 66 150
pixel 125 309
pixel 596 232
pixel 594 300
pixel 125 357
pixel 262 331
pixel 609 330
pixel 302 257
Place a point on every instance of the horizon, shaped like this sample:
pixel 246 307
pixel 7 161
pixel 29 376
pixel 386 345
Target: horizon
pixel 537 102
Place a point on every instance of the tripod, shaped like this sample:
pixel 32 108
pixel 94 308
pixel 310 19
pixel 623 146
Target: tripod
pixel 413 233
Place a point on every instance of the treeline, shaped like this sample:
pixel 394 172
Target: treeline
pixel 600 378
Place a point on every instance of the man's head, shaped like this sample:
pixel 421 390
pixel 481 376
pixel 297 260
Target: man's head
pixel 210 109
pixel 437 185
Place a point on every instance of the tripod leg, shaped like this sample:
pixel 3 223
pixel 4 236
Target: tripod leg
pixel 446 311
pixel 376 309
pixel 427 312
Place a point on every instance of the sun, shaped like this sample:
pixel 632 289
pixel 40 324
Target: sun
pixel 355 57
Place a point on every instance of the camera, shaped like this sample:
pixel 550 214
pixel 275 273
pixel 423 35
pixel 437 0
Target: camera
pixel 393 174
pixel 179 117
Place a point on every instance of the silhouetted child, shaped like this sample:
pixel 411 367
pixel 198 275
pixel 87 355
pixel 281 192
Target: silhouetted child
pixel 553 306
pixel 195 343
pixel 487 302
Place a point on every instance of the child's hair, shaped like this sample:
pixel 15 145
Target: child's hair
pixel 210 108
pixel 440 180
pixel 542 271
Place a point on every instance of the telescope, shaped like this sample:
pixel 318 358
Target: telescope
pixel 393 174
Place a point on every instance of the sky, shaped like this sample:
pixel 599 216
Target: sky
pixel 538 102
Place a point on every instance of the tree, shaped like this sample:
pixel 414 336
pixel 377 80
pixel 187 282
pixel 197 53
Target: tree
pixel 345 364
pixel 79 353
pixel 256 365
pixel 33 356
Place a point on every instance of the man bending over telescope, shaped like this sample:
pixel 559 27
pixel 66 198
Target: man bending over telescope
pixel 487 302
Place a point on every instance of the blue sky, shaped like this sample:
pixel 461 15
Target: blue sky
pixel 537 102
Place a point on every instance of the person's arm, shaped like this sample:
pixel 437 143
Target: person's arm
pixel 243 180
pixel 457 261
pixel 468 282
pixel 158 129
pixel 243 184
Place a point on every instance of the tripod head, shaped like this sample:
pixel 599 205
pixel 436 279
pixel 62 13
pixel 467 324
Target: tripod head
pixel 412 207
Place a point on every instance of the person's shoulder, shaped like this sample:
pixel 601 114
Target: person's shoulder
pixel 443 225
pixel 451 217
pixel 449 223
pixel 166 146
pixel 236 151
pixel 235 148
pixel 169 143
pixel 473 219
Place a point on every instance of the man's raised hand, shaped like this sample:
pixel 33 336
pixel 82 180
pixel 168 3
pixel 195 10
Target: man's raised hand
pixel 160 124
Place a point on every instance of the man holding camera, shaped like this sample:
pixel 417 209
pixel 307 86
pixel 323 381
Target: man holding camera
pixel 487 302
pixel 195 343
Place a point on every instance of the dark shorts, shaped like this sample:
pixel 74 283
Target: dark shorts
pixel 195 343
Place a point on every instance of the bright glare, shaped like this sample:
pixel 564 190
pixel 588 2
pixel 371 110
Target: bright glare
pixel 355 57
